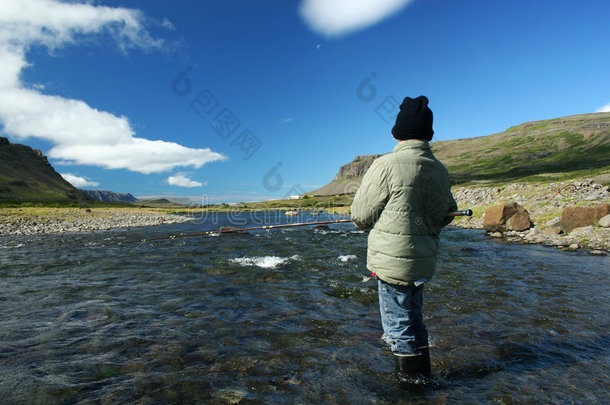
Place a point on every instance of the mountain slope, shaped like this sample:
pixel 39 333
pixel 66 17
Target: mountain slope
pixel 560 148
pixel 110 196
pixel 577 144
pixel 27 176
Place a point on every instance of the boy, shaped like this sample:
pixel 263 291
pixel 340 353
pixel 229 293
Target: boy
pixel 403 200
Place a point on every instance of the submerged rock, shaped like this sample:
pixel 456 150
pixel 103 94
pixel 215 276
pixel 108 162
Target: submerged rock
pixel 232 229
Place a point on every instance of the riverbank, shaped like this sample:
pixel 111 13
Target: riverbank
pixel 37 221
pixel 545 204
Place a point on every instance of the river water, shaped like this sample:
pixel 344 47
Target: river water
pixel 290 316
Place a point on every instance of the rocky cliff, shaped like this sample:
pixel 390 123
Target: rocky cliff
pixel 348 179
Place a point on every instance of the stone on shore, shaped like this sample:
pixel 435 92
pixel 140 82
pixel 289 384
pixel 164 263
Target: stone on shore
pixel 578 217
pixel 605 222
pixel 545 203
pixel 583 230
pixel 553 230
pixel 506 217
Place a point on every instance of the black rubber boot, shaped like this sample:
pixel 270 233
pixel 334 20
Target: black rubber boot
pixel 426 369
pixel 409 365
pixel 408 370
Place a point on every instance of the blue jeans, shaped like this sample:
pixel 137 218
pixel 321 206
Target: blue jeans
pixel 401 317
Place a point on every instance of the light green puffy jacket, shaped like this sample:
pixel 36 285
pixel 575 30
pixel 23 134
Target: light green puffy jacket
pixel 403 199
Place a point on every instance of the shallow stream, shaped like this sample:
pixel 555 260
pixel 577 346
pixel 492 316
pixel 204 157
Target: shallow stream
pixel 290 316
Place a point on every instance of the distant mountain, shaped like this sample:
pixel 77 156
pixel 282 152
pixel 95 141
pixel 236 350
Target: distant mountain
pixel 560 148
pixel 160 203
pixel 27 176
pixel 166 200
pixel 180 200
pixel 110 196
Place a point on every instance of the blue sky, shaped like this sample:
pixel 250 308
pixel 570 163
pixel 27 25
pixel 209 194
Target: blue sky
pixel 247 100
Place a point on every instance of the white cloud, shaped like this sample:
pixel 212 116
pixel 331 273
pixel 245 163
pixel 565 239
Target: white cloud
pixel 340 17
pixel 286 120
pixel 80 133
pixel 605 108
pixel 136 154
pixel 181 180
pixel 78 181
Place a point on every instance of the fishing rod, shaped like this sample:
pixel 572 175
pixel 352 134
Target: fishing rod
pixel 459 213
pixel 253 228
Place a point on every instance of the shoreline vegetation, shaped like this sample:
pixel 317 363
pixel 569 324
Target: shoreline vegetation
pixel 544 202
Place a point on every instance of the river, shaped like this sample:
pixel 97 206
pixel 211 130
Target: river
pixel 290 316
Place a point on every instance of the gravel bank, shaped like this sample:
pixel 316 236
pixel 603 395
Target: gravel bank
pixel 545 203
pixel 33 221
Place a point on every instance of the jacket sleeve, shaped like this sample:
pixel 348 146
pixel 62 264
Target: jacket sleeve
pixel 371 197
pixel 452 207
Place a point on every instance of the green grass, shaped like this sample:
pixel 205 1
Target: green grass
pixel 567 163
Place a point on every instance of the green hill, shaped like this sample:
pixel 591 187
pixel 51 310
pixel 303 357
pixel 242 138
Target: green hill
pixel 27 176
pixel 559 148
pixel 160 203
pixel 548 150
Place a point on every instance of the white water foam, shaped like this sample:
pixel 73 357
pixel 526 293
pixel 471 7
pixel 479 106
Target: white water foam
pixel 12 247
pixel 266 262
pixel 346 258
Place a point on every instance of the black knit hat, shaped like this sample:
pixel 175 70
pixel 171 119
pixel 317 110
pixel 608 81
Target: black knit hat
pixel 414 120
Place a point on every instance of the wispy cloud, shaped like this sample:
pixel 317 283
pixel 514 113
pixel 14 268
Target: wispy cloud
pixel 78 181
pixel 604 108
pixel 80 133
pixel 286 120
pixel 340 17
pixel 181 180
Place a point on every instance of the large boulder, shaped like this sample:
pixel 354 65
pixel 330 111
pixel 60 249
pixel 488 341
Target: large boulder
pixel 578 217
pixel 506 217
